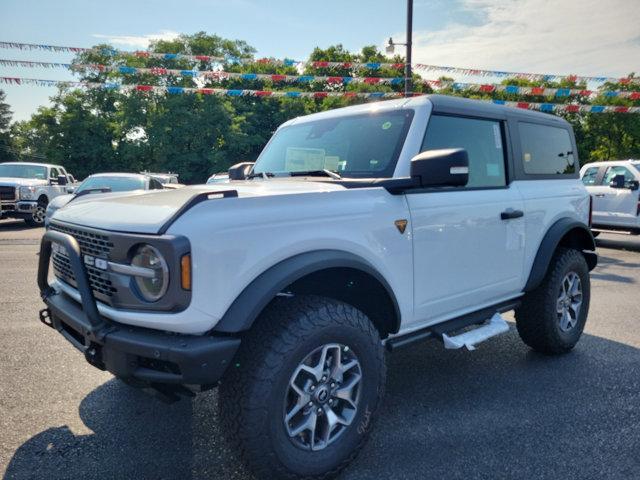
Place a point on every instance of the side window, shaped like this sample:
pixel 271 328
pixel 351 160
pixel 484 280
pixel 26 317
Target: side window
pixel 546 150
pixel 54 173
pixel 590 175
pixel 617 170
pixel 481 138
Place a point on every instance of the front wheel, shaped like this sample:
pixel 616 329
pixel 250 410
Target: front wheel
pixel 37 216
pixel 552 317
pixel 306 385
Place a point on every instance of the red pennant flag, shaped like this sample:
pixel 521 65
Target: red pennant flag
pixel 487 88
pixel 349 94
pixel 320 94
pixel 320 64
pixel 141 54
pixel 347 65
pixel 572 108
pixel 144 88
pixel 621 109
pixel 635 96
pixel 263 93
pixel 203 58
pixel 537 91
pixel 371 80
pixel 334 80
pixel 585 93
pixel 206 91
pixel 523 105
pixel 278 78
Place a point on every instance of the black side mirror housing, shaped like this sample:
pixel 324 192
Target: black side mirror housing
pixel 441 168
pixel 617 181
pixel 62 180
pixel 634 185
pixel 239 171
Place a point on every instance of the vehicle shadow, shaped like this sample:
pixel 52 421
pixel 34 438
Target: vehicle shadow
pixel 501 411
pixel 605 264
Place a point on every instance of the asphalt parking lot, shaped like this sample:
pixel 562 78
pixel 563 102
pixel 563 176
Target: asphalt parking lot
pixel 500 412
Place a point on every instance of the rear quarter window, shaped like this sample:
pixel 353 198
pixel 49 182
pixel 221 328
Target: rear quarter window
pixel 546 150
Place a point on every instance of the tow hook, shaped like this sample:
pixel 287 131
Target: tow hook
pixel 93 355
pixel 45 317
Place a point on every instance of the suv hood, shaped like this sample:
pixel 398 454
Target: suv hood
pixel 20 182
pixel 130 213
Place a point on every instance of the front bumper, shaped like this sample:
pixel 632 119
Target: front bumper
pixel 139 355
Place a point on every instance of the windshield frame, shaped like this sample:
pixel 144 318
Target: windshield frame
pixel 407 113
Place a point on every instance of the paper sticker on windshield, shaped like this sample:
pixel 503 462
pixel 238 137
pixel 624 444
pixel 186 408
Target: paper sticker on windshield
pixel 497 137
pixel 386 125
pixel 302 159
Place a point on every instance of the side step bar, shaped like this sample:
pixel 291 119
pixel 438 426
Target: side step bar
pixel 484 318
pixel 495 326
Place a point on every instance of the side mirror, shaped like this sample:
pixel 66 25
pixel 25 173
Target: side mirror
pixel 71 189
pixel 441 168
pixel 239 171
pixel 633 185
pixel 62 180
pixel 617 181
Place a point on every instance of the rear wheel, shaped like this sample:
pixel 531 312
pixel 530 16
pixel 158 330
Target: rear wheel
pixel 307 382
pixel 551 318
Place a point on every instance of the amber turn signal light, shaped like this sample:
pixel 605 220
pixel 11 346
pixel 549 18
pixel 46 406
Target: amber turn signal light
pixel 185 272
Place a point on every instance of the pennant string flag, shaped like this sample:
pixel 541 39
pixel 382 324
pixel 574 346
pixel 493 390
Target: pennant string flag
pixel 544 107
pixel 220 75
pixel 523 75
pixel 201 58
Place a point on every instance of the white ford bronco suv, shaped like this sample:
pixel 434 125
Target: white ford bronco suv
pixel 27 188
pixel 355 231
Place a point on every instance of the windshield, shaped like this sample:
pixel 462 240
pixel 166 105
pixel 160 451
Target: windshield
pixel 366 145
pixel 23 171
pixel 116 184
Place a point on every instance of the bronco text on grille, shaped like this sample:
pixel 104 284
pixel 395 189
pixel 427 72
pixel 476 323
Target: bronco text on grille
pixel 92 244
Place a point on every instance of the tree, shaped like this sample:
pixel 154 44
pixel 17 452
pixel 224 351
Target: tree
pixel 6 152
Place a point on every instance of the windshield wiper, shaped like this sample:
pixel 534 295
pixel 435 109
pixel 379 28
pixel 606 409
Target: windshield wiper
pixel 93 190
pixel 264 175
pixel 316 173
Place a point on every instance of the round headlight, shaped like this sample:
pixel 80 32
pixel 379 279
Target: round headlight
pixel 152 288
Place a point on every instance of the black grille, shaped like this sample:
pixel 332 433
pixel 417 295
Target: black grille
pixel 93 244
pixel 98 279
pixel 7 193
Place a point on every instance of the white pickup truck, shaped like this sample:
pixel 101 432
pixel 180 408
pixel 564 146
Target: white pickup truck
pixel 357 230
pixel 27 188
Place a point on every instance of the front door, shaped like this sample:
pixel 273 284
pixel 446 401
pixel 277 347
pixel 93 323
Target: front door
pixel 468 242
pixel 620 204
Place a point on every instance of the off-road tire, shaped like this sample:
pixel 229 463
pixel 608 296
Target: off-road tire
pixel 536 318
pixel 37 218
pixel 253 390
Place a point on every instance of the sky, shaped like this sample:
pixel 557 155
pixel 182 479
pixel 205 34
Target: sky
pixel 583 37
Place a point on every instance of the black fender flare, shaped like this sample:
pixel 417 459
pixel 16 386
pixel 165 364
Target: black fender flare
pixel 585 242
pixel 256 296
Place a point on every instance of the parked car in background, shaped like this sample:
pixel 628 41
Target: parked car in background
pixel 168 180
pixel 104 183
pixel 613 186
pixel 218 178
pixel 27 188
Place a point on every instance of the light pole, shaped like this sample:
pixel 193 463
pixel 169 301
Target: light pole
pixel 390 48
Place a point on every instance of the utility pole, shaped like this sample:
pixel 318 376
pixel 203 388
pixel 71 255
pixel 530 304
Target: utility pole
pixel 407 69
pixel 390 49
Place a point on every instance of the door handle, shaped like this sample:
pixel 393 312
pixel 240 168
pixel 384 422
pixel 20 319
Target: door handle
pixel 599 195
pixel 510 214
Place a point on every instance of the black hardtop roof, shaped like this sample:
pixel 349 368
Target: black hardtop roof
pixel 462 106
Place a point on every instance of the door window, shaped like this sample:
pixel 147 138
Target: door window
pixel 590 176
pixel 483 141
pixel 546 150
pixel 617 170
pixel 54 174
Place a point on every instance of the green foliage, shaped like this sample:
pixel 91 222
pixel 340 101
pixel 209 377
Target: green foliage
pixel 98 130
